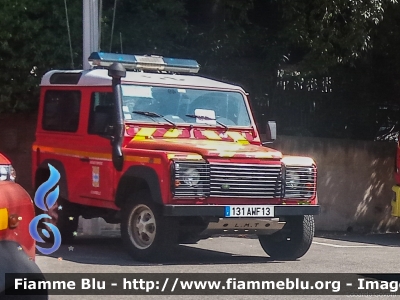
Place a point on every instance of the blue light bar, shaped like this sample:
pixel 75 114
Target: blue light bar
pixel 141 62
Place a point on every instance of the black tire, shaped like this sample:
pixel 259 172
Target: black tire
pixel 293 241
pixel 65 216
pixel 145 232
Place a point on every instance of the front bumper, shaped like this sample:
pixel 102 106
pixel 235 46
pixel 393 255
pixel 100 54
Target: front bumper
pixel 219 210
pixel 396 201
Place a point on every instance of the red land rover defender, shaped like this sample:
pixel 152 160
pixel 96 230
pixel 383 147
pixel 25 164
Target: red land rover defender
pixel 172 156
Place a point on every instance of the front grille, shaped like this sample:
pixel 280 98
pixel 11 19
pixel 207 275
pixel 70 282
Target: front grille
pixel 245 180
pixel 300 182
pixel 191 179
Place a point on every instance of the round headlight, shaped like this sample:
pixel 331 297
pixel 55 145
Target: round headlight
pixel 191 177
pixel 294 181
pixel 3 173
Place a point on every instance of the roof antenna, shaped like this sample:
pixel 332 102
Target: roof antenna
pixel 120 41
pixel 113 22
pixel 100 18
pixel 69 35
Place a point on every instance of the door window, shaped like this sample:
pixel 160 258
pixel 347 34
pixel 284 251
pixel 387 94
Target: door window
pixel 101 113
pixel 61 111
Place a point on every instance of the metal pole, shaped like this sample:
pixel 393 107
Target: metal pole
pixel 90 30
pixel 90 44
pixel 113 23
pixel 100 19
pixel 69 35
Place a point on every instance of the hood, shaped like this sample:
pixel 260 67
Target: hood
pixel 206 148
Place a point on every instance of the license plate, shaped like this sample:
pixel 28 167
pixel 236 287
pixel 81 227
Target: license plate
pixel 249 211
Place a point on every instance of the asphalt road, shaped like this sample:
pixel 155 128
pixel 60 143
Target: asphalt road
pixel 329 253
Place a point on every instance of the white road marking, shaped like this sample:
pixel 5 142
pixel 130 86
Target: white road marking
pixel 349 246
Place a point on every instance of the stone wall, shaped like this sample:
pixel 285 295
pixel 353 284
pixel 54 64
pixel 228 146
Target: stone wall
pixel 355 180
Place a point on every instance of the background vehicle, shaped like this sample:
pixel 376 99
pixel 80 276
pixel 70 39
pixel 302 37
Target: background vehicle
pixel 17 248
pixel 172 156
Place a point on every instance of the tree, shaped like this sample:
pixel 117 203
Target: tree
pixel 34 39
pixel 243 41
pixel 331 32
pixel 144 27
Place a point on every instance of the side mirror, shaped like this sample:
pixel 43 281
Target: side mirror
pixel 270 132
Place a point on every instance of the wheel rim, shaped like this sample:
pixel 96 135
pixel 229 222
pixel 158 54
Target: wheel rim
pixel 142 227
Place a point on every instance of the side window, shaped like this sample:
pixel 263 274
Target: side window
pixel 61 111
pixel 101 113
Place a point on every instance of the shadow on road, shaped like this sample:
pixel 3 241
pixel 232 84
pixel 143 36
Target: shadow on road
pixel 382 239
pixel 110 251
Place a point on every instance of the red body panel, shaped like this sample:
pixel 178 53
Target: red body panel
pixel 17 201
pixel 4 160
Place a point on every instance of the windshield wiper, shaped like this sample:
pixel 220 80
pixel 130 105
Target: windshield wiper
pixel 208 118
pixel 152 115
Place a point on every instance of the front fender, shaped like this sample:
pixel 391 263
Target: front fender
pixel 17 201
pixel 148 175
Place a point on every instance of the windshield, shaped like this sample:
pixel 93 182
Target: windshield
pixel 188 106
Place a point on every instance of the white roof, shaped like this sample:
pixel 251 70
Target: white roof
pixel 99 77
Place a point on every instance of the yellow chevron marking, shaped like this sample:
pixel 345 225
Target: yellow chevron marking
pixel 173 133
pixel 144 133
pixel 237 137
pixel 212 135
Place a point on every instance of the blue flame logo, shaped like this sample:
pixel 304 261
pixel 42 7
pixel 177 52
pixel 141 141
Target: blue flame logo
pixel 45 203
